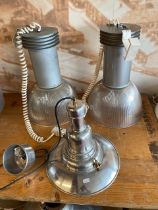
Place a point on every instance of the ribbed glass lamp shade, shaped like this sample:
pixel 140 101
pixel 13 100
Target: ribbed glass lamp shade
pixel 42 103
pixel 115 108
pixel 115 101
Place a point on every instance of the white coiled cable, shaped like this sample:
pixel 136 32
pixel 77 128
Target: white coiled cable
pixel 23 64
pixel 95 76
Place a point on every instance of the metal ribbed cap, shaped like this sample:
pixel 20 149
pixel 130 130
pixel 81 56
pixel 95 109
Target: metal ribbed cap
pixel 111 34
pixel 46 38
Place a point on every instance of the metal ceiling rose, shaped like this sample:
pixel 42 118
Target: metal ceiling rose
pixel 84 163
pixel 18 158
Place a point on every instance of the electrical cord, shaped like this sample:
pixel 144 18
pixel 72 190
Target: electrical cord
pixel 47 153
pixel 20 50
pixel 57 120
pixel 95 76
pixel 27 174
pixel 23 176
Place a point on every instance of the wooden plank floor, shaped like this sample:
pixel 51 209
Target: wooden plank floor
pixel 137 182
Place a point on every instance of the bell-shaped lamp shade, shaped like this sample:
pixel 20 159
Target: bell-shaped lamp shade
pixel 84 163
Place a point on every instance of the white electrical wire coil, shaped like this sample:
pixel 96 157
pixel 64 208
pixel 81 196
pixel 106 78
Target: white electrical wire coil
pixel 95 76
pixel 23 64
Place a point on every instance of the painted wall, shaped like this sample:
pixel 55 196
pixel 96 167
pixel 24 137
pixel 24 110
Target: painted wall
pixel 78 23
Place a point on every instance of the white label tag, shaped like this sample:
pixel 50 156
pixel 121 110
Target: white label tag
pixel 87 180
pixel 126 34
pixel 131 45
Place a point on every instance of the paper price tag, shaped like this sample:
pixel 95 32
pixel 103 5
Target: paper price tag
pixel 131 45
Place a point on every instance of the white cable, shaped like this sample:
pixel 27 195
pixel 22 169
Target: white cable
pixel 23 64
pixel 95 76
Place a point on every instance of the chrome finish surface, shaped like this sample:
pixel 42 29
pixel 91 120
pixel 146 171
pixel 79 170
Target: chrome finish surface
pixel 76 112
pixel 46 67
pixel 78 175
pixel 18 158
pixel 43 53
pixel 42 103
pixel 116 108
pixel 83 163
pixel 116 72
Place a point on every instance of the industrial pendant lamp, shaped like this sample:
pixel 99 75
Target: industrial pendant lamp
pixel 115 101
pixel 38 108
pixel 83 163
pixel 50 85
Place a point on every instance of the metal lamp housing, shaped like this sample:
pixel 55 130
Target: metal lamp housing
pixel 84 163
pixel 115 101
pixel 50 87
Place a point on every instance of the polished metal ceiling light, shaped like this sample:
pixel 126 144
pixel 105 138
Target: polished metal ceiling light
pixel 115 101
pixel 83 163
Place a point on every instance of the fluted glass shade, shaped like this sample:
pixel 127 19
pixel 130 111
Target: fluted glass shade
pixel 42 103
pixel 115 108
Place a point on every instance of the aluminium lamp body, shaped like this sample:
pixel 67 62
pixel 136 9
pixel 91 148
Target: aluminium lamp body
pixel 115 101
pixel 83 163
pixel 50 86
